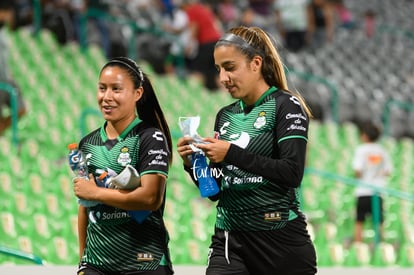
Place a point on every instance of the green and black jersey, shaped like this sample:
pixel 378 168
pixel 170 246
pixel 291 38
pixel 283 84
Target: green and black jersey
pixel 116 242
pixel 264 166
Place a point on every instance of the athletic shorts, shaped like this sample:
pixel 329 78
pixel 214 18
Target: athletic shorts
pixel 254 253
pixel 364 208
pixel 89 270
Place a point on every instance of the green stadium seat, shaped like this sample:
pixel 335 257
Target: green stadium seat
pixel 8 229
pixel 330 254
pixel 6 187
pixel 60 251
pixel 197 252
pixel 406 255
pixel 25 244
pixel 359 254
pixel 384 255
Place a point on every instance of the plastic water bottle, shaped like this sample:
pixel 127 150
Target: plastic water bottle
pixel 206 183
pixel 78 164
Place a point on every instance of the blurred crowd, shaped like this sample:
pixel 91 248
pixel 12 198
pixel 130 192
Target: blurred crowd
pixel 177 36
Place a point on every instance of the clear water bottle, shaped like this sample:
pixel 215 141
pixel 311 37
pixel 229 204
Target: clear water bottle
pixel 206 183
pixel 78 164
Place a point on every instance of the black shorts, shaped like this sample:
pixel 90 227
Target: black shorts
pixel 252 253
pixel 364 208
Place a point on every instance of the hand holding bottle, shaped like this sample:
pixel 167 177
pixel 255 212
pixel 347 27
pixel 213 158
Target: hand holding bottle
pixel 79 166
pixel 202 173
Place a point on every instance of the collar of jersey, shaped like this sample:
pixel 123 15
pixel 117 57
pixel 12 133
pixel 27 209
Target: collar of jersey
pixel 124 133
pixel 259 101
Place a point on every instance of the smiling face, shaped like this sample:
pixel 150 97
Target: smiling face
pixel 117 96
pixel 241 77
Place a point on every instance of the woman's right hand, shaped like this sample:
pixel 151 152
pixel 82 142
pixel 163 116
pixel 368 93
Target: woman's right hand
pixel 184 149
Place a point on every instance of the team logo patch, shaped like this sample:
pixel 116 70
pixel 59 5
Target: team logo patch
pixel 260 120
pixel 124 157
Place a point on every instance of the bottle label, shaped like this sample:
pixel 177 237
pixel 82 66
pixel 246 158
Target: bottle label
pixel 74 159
pixel 203 174
pixel 78 163
pixel 201 169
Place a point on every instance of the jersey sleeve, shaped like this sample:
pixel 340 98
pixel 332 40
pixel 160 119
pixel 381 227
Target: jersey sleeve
pixel 154 153
pixel 286 166
pixel 291 120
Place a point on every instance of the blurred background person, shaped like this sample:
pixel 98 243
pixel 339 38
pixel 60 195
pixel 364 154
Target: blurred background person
pixel 176 23
pixel 228 13
pixel 372 165
pixel 6 22
pixel 321 23
pixel 206 30
pixel 259 13
pixel 292 19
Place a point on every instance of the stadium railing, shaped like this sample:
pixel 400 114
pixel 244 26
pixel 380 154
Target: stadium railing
pixel 386 113
pixel 21 255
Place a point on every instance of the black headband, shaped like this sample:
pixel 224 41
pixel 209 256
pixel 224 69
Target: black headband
pixel 136 70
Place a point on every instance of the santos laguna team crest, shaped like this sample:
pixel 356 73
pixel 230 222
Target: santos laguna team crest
pixel 260 121
pixel 124 157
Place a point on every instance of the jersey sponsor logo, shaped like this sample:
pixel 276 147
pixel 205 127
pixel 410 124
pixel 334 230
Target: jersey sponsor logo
pixel 260 120
pixel 231 167
pixel 273 216
pixel 144 257
pixel 94 216
pixel 114 216
pixel 159 158
pixel 223 131
pixel 206 172
pixel 241 180
pixel 295 100
pixel 296 127
pixel 157 152
pixel 296 116
pixel 124 157
pixel 242 141
pixel 158 136
pixel 158 162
